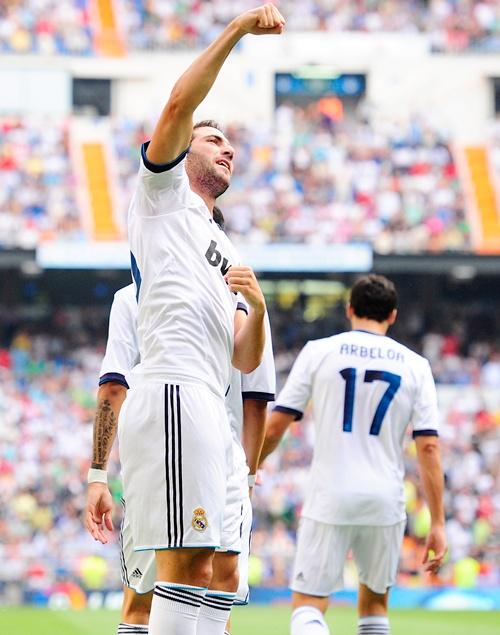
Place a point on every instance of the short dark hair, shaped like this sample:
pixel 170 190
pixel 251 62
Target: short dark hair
pixel 208 123
pixel 373 297
pixel 219 217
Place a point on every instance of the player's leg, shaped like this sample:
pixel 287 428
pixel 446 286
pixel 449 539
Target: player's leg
pixel 317 572
pixel 217 603
pixel 183 576
pixel 219 599
pixel 138 576
pixel 135 612
pixel 376 553
pixel 307 614
pixel 174 473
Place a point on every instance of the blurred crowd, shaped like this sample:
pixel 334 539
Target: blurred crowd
pixel 307 178
pixel 67 27
pixel 312 177
pixel 48 382
pixel 37 184
pixel 47 27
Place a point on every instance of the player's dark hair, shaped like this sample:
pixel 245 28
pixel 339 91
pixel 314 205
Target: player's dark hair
pixel 207 123
pixel 219 217
pixel 373 297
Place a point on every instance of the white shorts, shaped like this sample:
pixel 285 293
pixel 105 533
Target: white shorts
pixel 243 593
pixel 139 567
pixel 322 550
pixel 176 455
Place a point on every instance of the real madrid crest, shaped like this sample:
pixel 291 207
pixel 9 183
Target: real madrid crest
pixel 200 521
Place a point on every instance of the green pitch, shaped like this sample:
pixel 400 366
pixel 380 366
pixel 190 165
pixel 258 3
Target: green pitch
pixel 252 620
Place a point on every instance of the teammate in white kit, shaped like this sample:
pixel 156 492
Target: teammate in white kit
pixel 250 392
pixel 365 389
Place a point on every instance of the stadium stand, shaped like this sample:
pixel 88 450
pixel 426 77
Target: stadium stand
pixel 84 27
pixel 37 197
pixel 308 179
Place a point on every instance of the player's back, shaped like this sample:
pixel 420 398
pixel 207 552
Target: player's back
pixel 365 389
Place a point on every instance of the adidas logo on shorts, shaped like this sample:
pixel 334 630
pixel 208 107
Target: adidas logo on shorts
pixel 136 573
pixel 300 577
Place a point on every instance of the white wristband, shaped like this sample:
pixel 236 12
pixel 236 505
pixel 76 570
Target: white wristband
pixel 97 476
pixel 251 480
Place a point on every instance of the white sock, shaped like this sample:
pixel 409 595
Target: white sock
pixel 132 629
pixel 175 609
pixel 374 625
pixel 215 611
pixel 308 620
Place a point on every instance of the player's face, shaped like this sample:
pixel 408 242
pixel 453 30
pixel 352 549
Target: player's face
pixel 210 160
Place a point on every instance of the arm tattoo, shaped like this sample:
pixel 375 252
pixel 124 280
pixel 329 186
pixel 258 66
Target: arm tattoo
pixel 105 423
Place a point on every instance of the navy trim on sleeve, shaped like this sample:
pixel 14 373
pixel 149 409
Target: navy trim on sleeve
pixel 242 307
pixel 116 377
pixel 158 168
pixel 290 411
pixel 136 275
pixel 425 433
pixel 258 396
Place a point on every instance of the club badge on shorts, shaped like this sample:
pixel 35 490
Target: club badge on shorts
pixel 200 521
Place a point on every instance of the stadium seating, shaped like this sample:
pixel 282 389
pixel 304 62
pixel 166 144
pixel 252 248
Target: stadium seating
pixel 37 194
pixel 308 179
pixel 100 27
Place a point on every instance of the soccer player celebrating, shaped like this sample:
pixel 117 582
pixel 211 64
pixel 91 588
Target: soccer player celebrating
pixel 365 389
pixel 175 440
pixel 246 404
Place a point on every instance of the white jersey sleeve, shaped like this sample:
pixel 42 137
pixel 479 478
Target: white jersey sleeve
pixel 261 383
pixel 297 391
pixel 162 189
pixel 425 410
pixel 122 350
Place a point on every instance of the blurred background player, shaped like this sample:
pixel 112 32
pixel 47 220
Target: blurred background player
pixel 365 389
pixel 246 403
pixel 175 440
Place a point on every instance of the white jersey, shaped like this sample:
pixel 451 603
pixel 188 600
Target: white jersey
pixel 260 385
pixel 365 390
pixel 122 355
pixel 122 348
pixel 185 323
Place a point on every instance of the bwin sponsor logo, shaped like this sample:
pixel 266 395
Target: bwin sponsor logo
pixel 215 258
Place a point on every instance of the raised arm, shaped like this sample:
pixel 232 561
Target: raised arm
pixel 431 475
pixel 173 131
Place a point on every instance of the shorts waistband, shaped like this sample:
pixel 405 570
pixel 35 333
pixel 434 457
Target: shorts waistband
pixel 160 378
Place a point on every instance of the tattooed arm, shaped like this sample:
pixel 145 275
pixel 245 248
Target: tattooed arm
pixel 109 401
pixel 99 501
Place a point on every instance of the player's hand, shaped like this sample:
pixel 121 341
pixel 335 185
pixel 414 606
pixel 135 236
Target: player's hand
pixel 243 280
pixel 98 511
pixel 264 20
pixel 435 549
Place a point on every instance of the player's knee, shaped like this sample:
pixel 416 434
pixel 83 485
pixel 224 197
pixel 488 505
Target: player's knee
pixel 372 603
pixel 137 615
pixel 200 570
pixel 226 580
pixel 136 608
pixel 225 576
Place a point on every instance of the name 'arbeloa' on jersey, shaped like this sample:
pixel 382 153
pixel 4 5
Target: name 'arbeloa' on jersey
pixel 365 390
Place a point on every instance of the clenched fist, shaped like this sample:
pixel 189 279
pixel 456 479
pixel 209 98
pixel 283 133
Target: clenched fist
pixel 264 20
pixel 243 280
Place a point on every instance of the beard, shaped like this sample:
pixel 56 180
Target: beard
pixel 205 176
